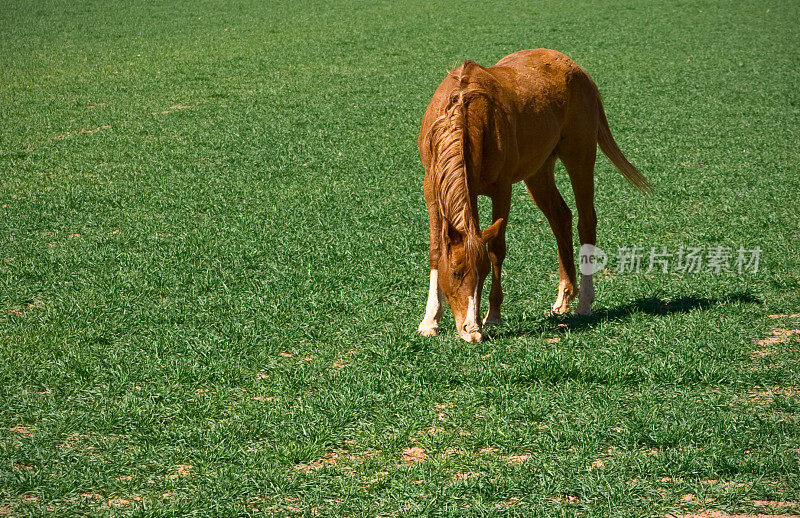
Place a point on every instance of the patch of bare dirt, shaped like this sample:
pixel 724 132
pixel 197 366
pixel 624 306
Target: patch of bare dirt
pixel 566 499
pixel 81 131
pixel 340 363
pixel 337 458
pixel 433 430
pixel 27 306
pixel 777 336
pixel 181 470
pixel 123 502
pixel 441 410
pixel 725 485
pixel 329 459
pixel 74 440
pixel 702 513
pixel 378 476
pixel 598 464
pixel 765 395
pixel 511 502
pixel 22 430
pixel 465 475
pixel 518 459
pixel 773 503
pixel 176 107
pixel 715 513
pixel 414 454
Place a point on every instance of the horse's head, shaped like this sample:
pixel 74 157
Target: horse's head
pixel 463 266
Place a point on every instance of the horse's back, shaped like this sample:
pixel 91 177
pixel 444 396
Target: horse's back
pixel 538 60
pixel 547 80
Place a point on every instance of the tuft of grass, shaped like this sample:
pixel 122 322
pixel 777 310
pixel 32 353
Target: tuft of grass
pixel 213 247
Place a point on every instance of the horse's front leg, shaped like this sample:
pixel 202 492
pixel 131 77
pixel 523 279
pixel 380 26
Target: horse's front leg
pixel 433 308
pixel 501 204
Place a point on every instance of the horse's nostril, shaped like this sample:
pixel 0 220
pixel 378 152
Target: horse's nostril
pixel 470 328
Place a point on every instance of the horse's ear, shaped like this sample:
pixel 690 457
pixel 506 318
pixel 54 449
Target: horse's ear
pixel 492 230
pixel 450 233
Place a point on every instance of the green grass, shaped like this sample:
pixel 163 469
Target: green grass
pixel 213 253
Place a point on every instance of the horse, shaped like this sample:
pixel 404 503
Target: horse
pixel 485 129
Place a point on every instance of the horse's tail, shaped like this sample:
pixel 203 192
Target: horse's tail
pixel 609 147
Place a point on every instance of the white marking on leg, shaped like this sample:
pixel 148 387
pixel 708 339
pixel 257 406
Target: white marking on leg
pixel 561 305
pixel 433 308
pixel 592 259
pixel 586 295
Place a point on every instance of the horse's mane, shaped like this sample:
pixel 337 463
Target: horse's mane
pixel 448 140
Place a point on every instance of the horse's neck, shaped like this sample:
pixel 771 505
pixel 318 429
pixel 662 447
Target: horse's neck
pixel 459 208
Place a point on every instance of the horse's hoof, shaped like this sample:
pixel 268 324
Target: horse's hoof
pixel 428 331
pixel 492 322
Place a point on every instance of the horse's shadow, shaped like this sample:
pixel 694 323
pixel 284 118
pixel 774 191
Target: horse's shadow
pixel 649 305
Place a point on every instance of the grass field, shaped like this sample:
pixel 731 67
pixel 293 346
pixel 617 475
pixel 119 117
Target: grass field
pixel 213 260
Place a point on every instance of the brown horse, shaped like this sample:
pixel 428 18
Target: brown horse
pixel 485 129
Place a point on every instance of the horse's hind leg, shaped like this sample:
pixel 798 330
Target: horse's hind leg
pixel 542 188
pixel 501 204
pixel 579 159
